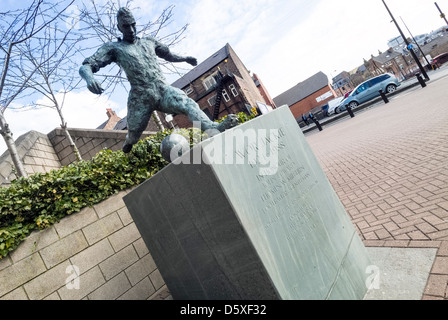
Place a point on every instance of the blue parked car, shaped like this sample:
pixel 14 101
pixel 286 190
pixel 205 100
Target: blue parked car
pixel 369 90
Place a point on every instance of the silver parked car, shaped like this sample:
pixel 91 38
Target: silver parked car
pixel 369 90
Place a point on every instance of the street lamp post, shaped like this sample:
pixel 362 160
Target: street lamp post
pixel 442 15
pixel 423 54
pixel 407 44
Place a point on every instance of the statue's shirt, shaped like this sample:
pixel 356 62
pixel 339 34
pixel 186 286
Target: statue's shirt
pixel 138 60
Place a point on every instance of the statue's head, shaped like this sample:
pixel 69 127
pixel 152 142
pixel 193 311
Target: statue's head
pixel 126 24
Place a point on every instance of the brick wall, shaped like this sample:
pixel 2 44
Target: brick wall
pixel 89 142
pixel 101 243
pixel 309 103
pixel 263 91
pixel 42 153
pixel 37 155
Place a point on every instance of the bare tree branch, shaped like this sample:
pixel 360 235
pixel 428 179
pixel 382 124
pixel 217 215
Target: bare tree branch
pixel 19 28
pixel 53 62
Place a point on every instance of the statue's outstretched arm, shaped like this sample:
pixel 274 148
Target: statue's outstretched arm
pixel 103 57
pixel 164 52
pixel 92 84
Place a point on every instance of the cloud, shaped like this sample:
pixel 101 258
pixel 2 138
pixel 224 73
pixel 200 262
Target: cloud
pixel 325 39
pixel 81 110
pixel 253 28
pixel 241 23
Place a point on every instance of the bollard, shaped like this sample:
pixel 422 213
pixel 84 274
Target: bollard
pixel 350 111
pixel 305 121
pixel 383 95
pixel 318 125
pixel 420 79
pixel 316 122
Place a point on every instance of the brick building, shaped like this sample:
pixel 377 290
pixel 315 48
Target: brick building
pixel 221 85
pixel 264 92
pixel 342 84
pixel 399 62
pixel 112 121
pixel 311 94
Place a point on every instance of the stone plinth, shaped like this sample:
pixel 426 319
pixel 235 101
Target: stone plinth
pixel 254 218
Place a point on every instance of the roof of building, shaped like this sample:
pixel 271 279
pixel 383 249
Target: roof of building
pixel 386 56
pixel 102 125
pixel 122 124
pixel 340 76
pixel 302 90
pixel 203 67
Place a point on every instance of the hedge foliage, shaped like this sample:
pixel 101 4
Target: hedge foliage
pixel 42 199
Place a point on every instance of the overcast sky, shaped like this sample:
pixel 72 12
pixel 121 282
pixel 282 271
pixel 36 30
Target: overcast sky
pixel 283 41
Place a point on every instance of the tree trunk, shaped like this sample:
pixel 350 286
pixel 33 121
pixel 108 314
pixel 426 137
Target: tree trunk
pixel 64 127
pixel 158 121
pixel 72 143
pixel 10 143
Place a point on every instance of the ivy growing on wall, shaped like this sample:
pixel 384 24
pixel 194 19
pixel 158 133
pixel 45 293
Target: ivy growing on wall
pixel 43 199
pixel 39 201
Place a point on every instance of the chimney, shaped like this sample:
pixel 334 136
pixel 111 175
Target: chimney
pixel 110 113
pixel 113 119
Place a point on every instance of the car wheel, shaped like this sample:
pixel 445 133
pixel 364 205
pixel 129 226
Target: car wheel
pixel 353 104
pixel 391 88
pixel 336 110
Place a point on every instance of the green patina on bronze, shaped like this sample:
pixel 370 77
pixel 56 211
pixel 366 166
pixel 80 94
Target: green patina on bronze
pixel 149 90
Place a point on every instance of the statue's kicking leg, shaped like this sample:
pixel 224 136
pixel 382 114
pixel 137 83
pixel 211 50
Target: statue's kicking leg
pixel 176 101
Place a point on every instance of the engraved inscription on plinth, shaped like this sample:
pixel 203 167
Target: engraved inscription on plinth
pixel 255 229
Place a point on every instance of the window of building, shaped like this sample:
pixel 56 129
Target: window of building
pixel 209 82
pixel 188 90
pixel 225 95
pixel 212 101
pixel 233 90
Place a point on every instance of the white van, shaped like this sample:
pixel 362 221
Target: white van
pixel 332 104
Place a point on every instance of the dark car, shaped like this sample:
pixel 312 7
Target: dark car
pixel 440 59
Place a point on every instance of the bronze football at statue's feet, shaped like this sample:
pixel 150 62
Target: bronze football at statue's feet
pixel 229 122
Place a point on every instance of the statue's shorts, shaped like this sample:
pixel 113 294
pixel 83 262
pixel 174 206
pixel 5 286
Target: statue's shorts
pixel 143 101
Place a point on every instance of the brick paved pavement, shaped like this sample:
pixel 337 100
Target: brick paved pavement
pixel 389 167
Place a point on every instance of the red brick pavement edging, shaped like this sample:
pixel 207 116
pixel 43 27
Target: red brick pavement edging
pixel 389 167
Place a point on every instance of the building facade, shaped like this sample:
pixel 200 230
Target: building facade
pixel 308 96
pixel 221 85
pixel 342 83
pixel 263 91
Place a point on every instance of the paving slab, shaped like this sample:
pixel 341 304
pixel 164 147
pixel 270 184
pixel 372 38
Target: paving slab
pixel 399 273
